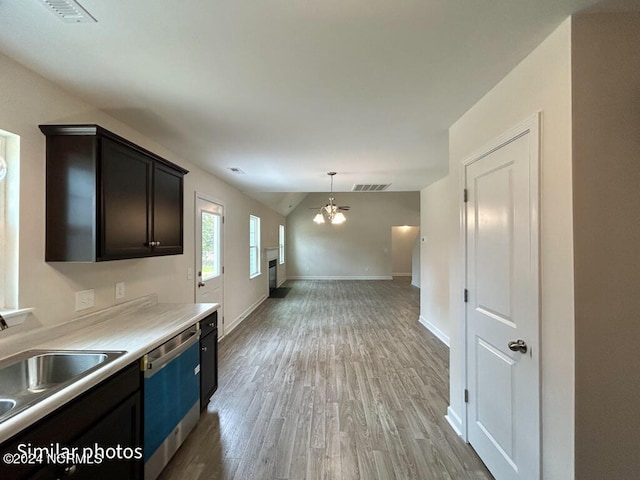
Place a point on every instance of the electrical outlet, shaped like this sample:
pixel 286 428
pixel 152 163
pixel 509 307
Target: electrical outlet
pixel 85 299
pixel 119 290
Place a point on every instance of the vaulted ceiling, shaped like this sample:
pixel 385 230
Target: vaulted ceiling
pixel 286 90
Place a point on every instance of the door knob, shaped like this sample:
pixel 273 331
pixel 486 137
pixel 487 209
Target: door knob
pixel 518 346
pixel 200 284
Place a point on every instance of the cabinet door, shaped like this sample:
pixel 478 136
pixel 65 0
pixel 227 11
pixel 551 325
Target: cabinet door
pixel 118 433
pixel 125 196
pixel 167 211
pixel 107 451
pixel 208 367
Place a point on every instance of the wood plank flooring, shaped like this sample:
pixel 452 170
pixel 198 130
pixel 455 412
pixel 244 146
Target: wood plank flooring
pixel 336 381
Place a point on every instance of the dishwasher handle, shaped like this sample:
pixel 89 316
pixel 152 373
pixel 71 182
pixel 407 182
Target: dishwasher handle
pixel 157 359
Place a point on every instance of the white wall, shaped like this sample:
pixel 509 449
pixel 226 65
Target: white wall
pixel 439 225
pixel 360 247
pixel 606 174
pixel 542 82
pixel 403 239
pixel 415 261
pixel 29 100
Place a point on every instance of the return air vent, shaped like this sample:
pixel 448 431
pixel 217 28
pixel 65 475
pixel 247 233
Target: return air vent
pixel 365 187
pixel 69 11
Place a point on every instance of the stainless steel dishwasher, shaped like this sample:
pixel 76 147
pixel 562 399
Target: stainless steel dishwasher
pixel 171 398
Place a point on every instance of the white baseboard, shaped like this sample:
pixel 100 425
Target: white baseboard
pixel 348 277
pixel 237 321
pixel 443 337
pixel 400 274
pixel 282 282
pixel 417 285
pixel 454 420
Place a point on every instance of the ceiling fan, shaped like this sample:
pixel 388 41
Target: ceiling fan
pixel 330 211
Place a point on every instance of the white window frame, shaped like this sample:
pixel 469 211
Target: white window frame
pixel 254 246
pixel 281 244
pixel 4 280
pixel 9 219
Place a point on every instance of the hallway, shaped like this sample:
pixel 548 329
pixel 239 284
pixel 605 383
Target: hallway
pixel 336 381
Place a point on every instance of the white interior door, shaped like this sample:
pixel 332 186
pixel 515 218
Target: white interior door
pixel 503 353
pixel 210 255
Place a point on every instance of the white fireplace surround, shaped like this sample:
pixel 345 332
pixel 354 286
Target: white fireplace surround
pixel 271 253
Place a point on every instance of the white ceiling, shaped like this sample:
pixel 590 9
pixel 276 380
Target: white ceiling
pixel 287 90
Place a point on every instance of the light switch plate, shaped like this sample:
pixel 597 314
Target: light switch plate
pixel 85 299
pixel 119 290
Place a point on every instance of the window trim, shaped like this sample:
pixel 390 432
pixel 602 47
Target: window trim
pixel 281 244
pixel 9 269
pixel 254 243
pixel 4 231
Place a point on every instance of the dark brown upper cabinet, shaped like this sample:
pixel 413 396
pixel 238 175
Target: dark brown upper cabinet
pixel 108 198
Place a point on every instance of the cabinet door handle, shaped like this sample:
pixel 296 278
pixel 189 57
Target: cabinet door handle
pixel 69 471
pixel 212 324
pixel 204 349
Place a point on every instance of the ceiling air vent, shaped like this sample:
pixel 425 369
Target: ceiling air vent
pixel 362 187
pixel 69 11
pixel 236 170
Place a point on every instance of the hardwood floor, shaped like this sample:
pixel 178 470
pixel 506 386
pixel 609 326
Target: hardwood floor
pixel 336 381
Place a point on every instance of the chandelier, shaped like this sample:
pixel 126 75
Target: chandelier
pixel 331 212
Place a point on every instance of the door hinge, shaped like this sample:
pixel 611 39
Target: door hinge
pixel 466 396
pixel 223 219
pixel 223 270
pixel 465 195
pixel 466 295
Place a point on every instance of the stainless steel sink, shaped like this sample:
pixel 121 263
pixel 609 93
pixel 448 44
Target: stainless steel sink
pixel 29 377
pixel 6 405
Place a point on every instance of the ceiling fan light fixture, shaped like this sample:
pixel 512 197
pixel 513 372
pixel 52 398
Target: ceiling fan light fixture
pixel 331 212
pixel 339 218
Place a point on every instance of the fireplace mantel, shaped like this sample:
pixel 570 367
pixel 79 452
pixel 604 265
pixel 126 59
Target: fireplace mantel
pixel 271 253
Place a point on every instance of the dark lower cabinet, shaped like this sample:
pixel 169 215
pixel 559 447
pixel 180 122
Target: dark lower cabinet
pixel 102 429
pixel 208 358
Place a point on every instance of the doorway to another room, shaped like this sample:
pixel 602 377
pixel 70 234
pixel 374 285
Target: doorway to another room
pixel 405 253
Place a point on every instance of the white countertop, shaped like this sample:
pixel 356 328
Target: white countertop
pixel 136 327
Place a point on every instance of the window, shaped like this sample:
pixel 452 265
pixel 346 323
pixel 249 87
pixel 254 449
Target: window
pixel 210 245
pixel 254 246
pixel 9 211
pixel 281 243
pixel 3 221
